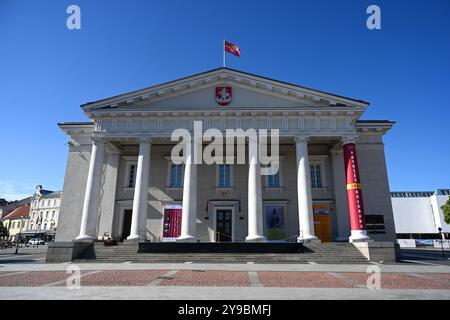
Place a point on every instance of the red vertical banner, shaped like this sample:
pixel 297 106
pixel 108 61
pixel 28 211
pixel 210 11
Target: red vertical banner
pixel 172 223
pixel 354 192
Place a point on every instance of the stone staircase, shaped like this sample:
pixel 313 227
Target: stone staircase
pixel 324 253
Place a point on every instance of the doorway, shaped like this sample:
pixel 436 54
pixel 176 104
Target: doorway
pixel 126 227
pixel 224 225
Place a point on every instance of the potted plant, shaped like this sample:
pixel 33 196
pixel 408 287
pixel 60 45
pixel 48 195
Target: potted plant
pixel 106 238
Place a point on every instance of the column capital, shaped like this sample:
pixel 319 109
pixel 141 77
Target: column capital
pixel 301 139
pixel 349 139
pixel 145 140
pixel 97 140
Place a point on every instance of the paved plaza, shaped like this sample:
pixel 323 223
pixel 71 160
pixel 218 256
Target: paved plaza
pixel 25 276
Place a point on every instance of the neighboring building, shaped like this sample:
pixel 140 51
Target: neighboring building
pixel 3 203
pixel 120 179
pixel 16 222
pixel 418 214
pixel 12 205
pixel 44 213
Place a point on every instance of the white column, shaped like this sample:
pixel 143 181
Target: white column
pixel 304 199
pixel 108 194
pixel 189 210
pixel 255 211
pixel 140 200
pixel 91 198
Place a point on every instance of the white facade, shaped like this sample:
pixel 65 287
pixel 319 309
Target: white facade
pixel 419 214
pixel 44 213
pixel 119 177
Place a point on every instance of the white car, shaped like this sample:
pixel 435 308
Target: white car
pixel 34 242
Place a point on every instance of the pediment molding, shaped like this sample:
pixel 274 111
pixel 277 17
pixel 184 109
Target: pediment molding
pixel 223 76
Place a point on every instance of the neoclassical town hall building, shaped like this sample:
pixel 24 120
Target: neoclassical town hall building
pixel 121 183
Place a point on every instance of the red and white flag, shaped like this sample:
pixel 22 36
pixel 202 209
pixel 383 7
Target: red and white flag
pixel 232 48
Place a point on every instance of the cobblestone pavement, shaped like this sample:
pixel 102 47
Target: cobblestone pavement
pixel 272 279
pixel 32 279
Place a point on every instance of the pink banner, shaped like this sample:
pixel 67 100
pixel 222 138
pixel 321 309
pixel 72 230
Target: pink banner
pixel 354 191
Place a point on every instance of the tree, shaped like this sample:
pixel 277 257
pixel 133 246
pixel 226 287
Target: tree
pixel 446 210
pixel 3 230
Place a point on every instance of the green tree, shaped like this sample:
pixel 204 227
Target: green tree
pixel 3 230
pixel 446 210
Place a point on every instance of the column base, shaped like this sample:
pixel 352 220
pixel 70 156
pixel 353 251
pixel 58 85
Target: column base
pixel 186 238
pixel 133 237
pixel 309 239
pixel 85 237
pixel 359 236
pixel 255 239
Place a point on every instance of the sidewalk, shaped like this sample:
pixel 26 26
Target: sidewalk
pixel 218 293
pixel 222 281
pixel 393 268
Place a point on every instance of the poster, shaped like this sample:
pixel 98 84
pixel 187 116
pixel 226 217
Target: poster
pixel 275 228
pixel 172 222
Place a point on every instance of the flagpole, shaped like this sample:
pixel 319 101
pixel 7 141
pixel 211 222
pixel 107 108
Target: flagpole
pixel 223 53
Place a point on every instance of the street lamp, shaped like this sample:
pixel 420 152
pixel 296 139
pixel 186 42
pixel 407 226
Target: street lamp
pixel 442 242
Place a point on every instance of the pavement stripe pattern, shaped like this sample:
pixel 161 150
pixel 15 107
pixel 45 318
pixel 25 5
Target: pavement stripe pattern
pixel 205 278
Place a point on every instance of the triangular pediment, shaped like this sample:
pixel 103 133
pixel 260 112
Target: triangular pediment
pixel 198 92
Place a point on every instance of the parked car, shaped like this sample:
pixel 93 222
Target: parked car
pixel 34 242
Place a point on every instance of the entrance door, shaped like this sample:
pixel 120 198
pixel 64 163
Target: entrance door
pixel 126 223
pixel 322 225
pixel 224 219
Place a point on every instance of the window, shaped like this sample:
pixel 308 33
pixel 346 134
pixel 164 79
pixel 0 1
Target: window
pixel 375 224
pixel 176 175
pixel 316 176
pixel 46 215
pixel 224 176
pixel 273 181
pixel 131 176
pixel 53 214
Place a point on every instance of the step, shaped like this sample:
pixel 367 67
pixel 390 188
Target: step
pixel 336 253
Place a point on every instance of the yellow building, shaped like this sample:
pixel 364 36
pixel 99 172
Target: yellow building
pixel 17 221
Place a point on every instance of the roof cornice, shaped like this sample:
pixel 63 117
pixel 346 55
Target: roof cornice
pixel 371 126
pixel 168 89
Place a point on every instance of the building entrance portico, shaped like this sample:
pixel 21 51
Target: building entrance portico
pixel 227 183
pixel 123 159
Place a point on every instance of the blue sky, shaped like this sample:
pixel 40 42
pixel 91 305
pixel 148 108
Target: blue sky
pixel 48 71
